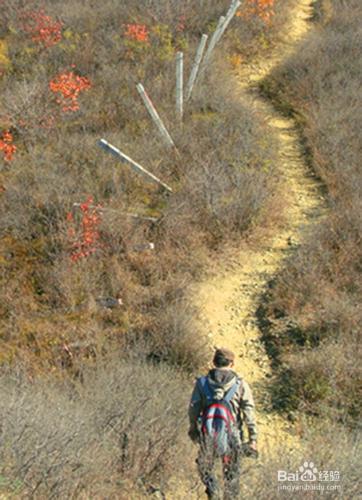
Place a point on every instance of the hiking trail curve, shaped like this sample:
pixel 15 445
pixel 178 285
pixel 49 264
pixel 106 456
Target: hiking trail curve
pixel 228 298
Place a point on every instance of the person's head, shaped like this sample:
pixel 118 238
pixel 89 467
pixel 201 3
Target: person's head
pixel 223 358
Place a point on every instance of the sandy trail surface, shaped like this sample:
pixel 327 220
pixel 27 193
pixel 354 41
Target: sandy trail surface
pixel 229 296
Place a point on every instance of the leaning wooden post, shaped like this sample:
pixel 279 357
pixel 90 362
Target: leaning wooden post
pixel 179 84
pixel 134 165
pixel 155 116
pixel 212 43
pixel 126 214
pixel 235 4
pixel 195 67
pixel 220 30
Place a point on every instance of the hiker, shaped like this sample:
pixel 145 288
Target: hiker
pixel 220 403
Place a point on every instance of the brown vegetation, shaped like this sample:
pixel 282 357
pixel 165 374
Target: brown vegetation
pixel 59 98
pixel 72 440
pixel 315 303
pixel 77 279
pixel 120 434
pixel 75 422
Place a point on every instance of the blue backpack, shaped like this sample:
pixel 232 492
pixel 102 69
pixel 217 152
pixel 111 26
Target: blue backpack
pixel 218 425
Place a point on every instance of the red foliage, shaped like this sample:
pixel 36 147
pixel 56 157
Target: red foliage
pixel 42 28
pixel 86 238
pixel 69 85
pixel 264 9
pixel 6 145
pixel 137 32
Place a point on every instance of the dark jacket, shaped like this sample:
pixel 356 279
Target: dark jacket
pixel 242 404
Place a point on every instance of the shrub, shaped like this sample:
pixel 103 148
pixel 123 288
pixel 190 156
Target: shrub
pixel 222 178
pixel 329 446
pixel 315 300
pixel 63 440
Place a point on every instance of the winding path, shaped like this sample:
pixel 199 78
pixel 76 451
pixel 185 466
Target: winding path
pixel 229 299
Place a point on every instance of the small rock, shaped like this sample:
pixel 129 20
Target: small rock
pixel 109 302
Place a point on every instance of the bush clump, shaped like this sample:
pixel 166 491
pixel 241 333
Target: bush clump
pixel 119 428
pixel 70 242
pixel 315 303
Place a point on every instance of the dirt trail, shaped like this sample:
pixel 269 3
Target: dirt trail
pixel 228 300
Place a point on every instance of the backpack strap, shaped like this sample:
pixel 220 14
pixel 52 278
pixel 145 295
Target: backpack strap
pixel 232 391
pixel 208 393
pixel 205 387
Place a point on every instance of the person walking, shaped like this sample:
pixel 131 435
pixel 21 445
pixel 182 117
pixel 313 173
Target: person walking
pixel 220 403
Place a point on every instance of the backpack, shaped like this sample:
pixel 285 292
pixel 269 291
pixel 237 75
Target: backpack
pixel 218 425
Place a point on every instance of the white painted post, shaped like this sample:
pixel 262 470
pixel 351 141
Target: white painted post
pixel 179 84
pixel 220 30
pixel 195 67
pixel 135 166
pixel 155 116
pixel 126 214
pixel 144 217
pixel 212 43
pixel 235 4
pixel 145 246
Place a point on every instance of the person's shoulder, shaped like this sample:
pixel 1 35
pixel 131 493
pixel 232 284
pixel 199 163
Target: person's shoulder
pixel 245 389
pixel 243 384
pixel 239 377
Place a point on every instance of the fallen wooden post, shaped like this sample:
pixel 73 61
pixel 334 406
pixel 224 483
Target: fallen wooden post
pixel 144 246
pixel 134 165
pixel 143 217
pixel 155 116
pixel 179 84
pixel 195 67
pixel 126 214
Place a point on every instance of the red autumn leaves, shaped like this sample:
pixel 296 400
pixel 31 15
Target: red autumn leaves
pixel 264 9
pixel 68 86
pixel 7 146
pixel 137 32
pixel 43 29
pixel 46 31
pixel 85 237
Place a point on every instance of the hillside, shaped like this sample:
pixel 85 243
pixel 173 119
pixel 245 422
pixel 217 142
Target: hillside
pixel 114 290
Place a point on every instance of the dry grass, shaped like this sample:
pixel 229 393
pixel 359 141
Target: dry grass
pixel 329 447
pixel 120 433
pixel 121 427
pixel 117 427
pixel 315 302
pixel 222 177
